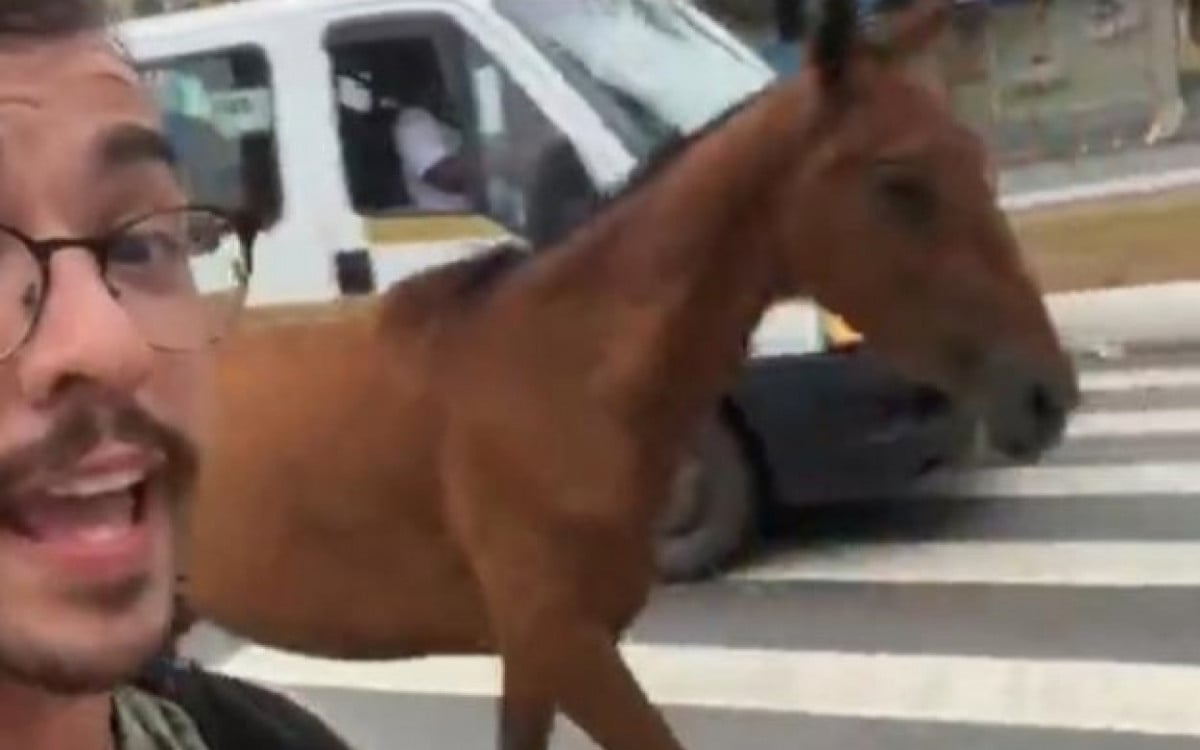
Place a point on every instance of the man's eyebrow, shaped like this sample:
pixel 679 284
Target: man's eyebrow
pixel 129 144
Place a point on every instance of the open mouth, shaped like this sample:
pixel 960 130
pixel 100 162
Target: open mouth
pixel 92 510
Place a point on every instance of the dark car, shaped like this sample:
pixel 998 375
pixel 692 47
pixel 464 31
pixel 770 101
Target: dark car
pixel 805 430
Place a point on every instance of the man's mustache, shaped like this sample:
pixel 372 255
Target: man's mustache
pixel 86 423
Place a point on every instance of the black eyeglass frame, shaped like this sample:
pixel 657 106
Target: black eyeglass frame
pixel 245 224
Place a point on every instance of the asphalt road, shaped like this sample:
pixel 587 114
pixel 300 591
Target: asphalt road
pixel 1006 609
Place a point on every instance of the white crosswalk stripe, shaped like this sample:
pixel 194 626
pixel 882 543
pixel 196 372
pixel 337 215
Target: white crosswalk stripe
pixel 1104 424
pixel 1123 480
pixel 1055 563
pixel 1150 699
pixel 997 688
pixel 1140 379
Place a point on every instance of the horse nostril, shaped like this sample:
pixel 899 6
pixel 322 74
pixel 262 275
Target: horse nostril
pixel 1042 403
pixel 1046 411
pixel 1028 405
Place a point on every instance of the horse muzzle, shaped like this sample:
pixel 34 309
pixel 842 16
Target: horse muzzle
pixel 1027 406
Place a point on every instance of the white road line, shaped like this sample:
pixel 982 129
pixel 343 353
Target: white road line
pixel 1104 480
pixel 1139 379
pixel 999 563
pixel 1140 423
pixel 1139 698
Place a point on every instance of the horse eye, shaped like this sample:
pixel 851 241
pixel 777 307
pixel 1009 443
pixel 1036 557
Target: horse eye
pixel 908 198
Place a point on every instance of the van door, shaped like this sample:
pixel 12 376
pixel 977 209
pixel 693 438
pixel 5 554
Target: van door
pixel 443 152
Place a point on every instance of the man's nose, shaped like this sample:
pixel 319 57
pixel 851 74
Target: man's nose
pixel 83 334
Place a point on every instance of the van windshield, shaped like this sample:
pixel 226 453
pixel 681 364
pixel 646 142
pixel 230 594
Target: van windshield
pixel 651 68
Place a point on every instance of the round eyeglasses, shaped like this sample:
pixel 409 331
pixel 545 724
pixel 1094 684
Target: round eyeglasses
pixel 180 274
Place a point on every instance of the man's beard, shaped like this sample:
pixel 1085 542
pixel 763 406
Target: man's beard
pixel 85 422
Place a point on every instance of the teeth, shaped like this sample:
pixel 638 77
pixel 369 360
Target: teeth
pixel 97 485
pixel 101 533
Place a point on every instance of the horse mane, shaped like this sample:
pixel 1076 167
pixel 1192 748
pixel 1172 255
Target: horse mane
pixel 670 151
pixel 465 280
pixel 482 272
pixel 835 36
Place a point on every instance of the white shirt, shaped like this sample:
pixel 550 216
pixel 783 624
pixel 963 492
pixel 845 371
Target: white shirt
pixel 422 141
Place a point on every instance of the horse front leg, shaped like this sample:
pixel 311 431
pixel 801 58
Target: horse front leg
pixel 556 655
pixel 580 665
pixel 557 649
pixel 526 719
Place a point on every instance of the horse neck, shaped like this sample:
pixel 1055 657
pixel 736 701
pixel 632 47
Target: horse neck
pixel 687 267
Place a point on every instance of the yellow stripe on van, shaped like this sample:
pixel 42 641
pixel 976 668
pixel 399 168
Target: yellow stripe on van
pixel 394 232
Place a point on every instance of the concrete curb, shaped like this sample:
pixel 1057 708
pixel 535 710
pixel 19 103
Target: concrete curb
pixel 1154 314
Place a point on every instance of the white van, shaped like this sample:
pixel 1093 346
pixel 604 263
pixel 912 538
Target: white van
pixel 549 103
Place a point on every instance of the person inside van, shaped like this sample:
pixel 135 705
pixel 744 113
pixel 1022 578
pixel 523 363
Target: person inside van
pixel 102 402
pixel 436 170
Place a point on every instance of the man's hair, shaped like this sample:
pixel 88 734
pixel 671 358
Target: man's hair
pixel 51 17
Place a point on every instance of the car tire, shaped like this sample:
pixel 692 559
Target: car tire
pixel 712 513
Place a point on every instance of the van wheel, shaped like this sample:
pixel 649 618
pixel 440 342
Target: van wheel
pixel 711 515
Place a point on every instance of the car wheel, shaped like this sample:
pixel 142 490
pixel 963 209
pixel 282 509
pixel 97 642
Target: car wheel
pixel 711 515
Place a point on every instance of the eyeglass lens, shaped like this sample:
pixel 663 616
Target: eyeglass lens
pixel 180 275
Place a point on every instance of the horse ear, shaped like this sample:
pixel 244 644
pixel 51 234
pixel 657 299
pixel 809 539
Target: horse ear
pixel 834 42
pixel 915 28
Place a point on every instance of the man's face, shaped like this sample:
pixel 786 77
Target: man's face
pixel 96 427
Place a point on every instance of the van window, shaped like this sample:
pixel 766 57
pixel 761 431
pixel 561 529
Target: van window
pixel 672 75
pixel 217 113
pixel 431 123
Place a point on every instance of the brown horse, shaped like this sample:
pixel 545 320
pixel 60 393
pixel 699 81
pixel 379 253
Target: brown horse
pixel 474 461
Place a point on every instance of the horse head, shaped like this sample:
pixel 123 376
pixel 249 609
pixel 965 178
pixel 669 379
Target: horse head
pixel 892 221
